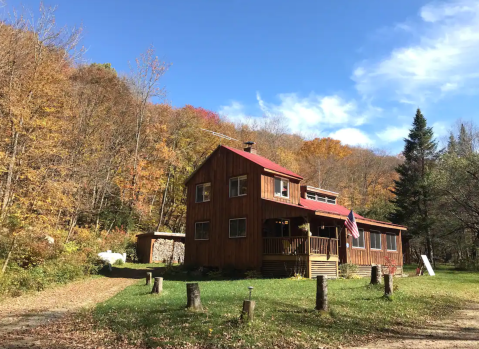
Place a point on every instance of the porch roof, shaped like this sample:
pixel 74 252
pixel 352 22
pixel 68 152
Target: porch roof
pixel 337 211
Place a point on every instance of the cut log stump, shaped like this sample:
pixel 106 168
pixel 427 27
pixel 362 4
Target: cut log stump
pixel 193 296
pixel 388 284
pixel 148 278
pixel 322 293
pixel 157 286
pixel 248 310
pixel 375 275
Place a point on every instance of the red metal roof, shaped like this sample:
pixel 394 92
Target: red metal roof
pixel 330 208
pixel 268 164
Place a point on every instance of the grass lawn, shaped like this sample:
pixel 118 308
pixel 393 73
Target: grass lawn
pixel 284 313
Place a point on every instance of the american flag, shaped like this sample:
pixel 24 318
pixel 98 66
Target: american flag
pixel 351 225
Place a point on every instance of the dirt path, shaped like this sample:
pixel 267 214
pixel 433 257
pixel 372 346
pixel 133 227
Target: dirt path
pixel 26 312
pixel 460 331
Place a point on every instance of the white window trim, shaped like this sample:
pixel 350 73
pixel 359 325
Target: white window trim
pixel 395 242
pixel 238 177
pixel 317 196
pixel 380 240
pixel 208 231
pixel 281 195
pixel 196 190
pixel 364 241
pixel 229 228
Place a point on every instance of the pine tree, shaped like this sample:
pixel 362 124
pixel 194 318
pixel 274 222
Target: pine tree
pixel 464 144
pixel 452 144
pixel 413 189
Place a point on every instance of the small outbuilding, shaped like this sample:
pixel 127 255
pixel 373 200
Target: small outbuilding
pixel 160 247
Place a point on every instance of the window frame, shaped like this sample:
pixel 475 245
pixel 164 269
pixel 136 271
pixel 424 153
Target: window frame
pixel 245 228
pixel 238 178
pixel 196 192
pixel 321 198
pixel 388 236
pixel 203 222
pixel 328 226
pixel 380 240
pixel 281 192
pixel 364 240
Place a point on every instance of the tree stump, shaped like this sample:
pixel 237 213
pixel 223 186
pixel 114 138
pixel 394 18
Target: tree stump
pixel 193 296
pixel 157 286
pixel 322 293
pixel 388 284
pixel 375 274
pixel 248 310
pixel 148 278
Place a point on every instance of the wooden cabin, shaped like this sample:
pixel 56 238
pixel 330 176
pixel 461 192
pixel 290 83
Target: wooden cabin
pixel 246 212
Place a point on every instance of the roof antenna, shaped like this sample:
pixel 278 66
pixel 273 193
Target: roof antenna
pixel 220 135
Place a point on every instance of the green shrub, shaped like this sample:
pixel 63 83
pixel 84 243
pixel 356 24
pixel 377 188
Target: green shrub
pixel 253 274
pixel 119 262
pixel 348 270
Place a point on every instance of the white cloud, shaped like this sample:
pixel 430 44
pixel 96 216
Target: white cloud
pixel 393 134
pixel 352 136
pixel 313 111
pixel 442 56
pixel 235 112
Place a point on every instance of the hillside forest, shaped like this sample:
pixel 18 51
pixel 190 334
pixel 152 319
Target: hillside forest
pixel 90 156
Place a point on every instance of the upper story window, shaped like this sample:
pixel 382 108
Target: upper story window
pixel 238 228
pixel 281 187
pixel 203 192
pixel 320 198
pixel 359 242
pixel 375 240
pixel 202 230
pixel 391 242
pixel 238 186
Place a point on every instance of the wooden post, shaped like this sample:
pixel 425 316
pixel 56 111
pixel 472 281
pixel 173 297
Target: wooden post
pixel 148 278
pixel 388 284
pixel 157 286
pixel 322 293
pixel 193 296
pixel 375 275
pixel 248 310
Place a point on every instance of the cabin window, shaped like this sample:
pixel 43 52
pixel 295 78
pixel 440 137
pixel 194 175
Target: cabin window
pixel 327 232
pixel 359 242
pixel 375 240
pixel 238 186
pixel 202 230
pixel 203 192
pixel 238 228
pixel 281 187
pixel 391 242
pixel 320 198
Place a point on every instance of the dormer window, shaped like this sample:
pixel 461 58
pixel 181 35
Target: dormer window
pixel 281 187
pixel 320 198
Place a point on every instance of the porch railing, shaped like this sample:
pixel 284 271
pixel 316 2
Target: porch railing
pixel 323 246
pixel 299 245
pixel 286 245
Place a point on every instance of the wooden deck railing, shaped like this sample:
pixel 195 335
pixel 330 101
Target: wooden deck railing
pixel 299 245
pixel 323 246
pixel 287 245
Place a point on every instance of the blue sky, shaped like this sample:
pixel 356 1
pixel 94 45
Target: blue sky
pixel 352 70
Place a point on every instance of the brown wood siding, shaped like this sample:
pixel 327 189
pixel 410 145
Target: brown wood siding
pixel 221 250
pixel 144 248
pixel 267 189
pixel 368 256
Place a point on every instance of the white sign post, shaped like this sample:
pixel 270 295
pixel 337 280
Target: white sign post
pixel 428 265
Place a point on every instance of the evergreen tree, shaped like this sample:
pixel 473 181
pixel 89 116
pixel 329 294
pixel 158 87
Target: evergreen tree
pixel 413 190
pixel 452 144
pixel 464 144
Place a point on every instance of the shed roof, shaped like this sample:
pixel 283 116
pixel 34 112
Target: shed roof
pixel 163 234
